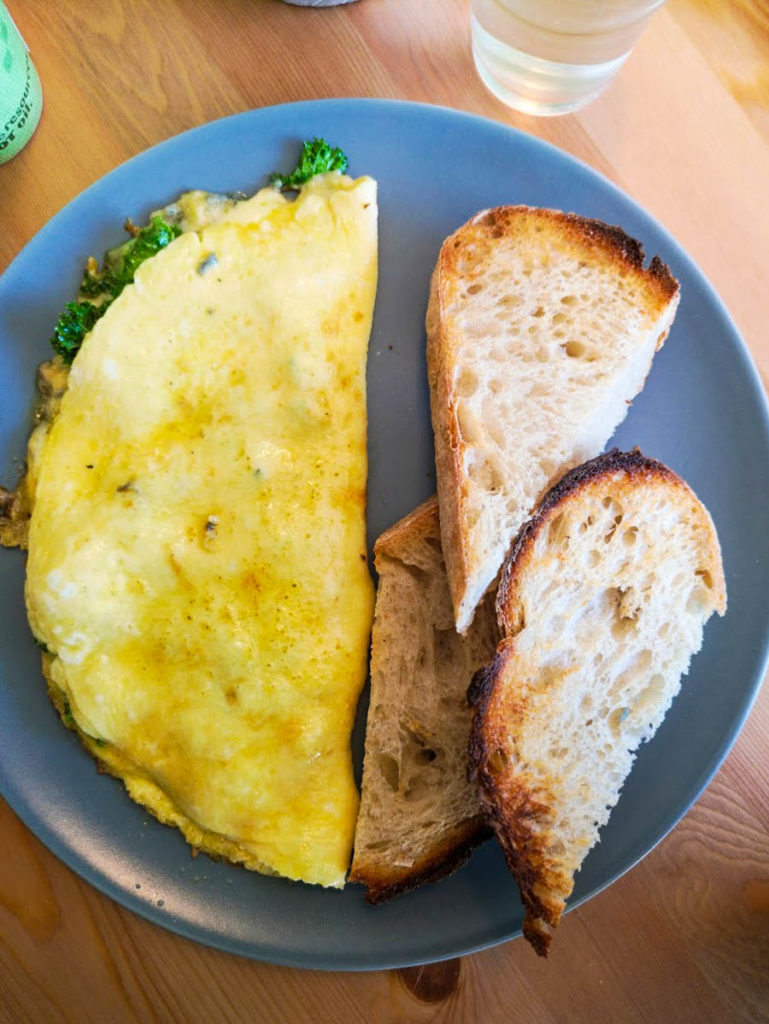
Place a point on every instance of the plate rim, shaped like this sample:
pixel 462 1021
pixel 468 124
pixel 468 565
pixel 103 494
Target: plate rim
pixel 171 922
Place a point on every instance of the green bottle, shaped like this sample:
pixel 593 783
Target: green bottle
pixel 21 98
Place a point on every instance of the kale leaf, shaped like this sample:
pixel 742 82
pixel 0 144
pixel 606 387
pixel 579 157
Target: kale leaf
pixel 72 326
pixel 149 241
pixel 317 157
pixel 120 267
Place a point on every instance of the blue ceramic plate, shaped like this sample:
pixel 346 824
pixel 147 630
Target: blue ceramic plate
pixel 702 411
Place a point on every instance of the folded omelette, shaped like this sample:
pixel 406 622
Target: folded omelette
pixel 197 557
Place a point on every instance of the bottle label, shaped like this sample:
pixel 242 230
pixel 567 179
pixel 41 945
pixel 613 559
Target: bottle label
pixel 20 92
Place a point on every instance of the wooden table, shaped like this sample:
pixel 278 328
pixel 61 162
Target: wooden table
pixel 684 130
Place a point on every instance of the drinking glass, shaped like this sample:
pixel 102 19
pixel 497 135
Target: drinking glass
pixel 554 56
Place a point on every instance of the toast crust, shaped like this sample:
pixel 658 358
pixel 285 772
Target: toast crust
pixel 607 243
pixel 443 860
pixel 413 528
pixel 451 481
pixel 638 468
pixel 524 818
pixel 511 809
pixel 603 244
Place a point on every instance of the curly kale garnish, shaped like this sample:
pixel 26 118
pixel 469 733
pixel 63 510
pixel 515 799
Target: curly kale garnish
pixel 120 266
pixel 317 157
pixel 72 326
pixel 149 241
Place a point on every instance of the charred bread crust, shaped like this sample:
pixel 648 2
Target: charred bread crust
pixel 634 464
pixel 478 694
pixel 515 830
pixel 607 241
pixel 455 851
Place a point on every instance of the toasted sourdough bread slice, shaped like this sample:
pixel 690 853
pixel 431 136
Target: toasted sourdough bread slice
pixel 602 601
pixel 541 327
pixel 419 817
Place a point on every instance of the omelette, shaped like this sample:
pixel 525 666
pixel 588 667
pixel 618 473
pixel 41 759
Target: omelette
pixel 197 565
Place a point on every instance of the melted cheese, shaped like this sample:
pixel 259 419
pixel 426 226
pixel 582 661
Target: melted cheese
pixel 197 561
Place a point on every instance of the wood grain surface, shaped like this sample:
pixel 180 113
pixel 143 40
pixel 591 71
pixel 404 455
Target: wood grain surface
pixel 685 130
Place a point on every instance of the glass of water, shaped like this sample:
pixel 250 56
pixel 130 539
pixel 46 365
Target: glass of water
pixel 553 56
